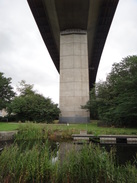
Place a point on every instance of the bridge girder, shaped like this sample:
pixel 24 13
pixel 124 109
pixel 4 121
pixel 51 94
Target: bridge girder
pixel 93 16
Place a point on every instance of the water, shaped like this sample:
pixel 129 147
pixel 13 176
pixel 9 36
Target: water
pixel 5 143
pixel 123 152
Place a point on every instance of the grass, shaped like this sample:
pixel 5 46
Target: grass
pixel 31 161
pixel 93 164
pixel 27 164
pixel 4 126
pixel 92 128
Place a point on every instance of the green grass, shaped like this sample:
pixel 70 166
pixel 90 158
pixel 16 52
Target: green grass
pixel 8 126
pixel 92 128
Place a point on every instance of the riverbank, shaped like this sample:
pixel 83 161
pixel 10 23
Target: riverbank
pixel 30 159
pixel 91 128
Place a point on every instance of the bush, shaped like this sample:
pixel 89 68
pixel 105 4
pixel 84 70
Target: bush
pixel 3 119
pixel 33 107
pixel 114 101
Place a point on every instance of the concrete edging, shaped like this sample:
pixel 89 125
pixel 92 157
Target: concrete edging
pixel 107 139
pixel 7 135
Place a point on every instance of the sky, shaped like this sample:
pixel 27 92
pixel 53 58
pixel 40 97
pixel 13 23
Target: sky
pixel 23 54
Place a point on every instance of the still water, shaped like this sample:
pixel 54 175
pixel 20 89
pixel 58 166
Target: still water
pixel 123 152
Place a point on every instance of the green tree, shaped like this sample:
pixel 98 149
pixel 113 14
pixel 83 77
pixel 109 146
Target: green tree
pixel 92 105
pixel 32 106
pixel 6 91
pixel 119 100
pixel 115 100
pixel 25 89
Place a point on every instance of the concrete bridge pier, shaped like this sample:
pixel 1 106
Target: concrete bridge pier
pixel 74 76
pixel 74 32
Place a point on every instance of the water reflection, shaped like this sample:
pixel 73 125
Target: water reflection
pixel 123 152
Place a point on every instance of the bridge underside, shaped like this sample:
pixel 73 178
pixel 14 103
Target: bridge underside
pixel 56 20
pixel 95 16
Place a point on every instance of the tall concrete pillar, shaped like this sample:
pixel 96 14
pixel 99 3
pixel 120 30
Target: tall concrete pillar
pixel 74 78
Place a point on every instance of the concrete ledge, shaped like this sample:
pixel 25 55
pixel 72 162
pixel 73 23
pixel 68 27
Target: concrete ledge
pixel 4 135
pixel 107 139
pixel 132 140
pixel 81 138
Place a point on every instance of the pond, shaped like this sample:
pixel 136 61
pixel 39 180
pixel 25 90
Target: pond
pixel 123 152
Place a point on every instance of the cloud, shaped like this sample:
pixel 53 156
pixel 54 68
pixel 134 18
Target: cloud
pixel 23 54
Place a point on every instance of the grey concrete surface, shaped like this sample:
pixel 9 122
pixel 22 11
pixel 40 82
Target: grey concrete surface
pixel 74 78
pixel 74 32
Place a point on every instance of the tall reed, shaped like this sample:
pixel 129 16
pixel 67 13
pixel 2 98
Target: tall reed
pixel 29 160
pixel 93 164
pixel 30 165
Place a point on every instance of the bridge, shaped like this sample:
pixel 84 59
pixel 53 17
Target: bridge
pixel 74 32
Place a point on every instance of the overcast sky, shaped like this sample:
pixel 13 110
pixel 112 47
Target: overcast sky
pixel 23 55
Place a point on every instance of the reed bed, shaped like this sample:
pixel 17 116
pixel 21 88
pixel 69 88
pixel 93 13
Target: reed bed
pixel 94 165
pixel 30 160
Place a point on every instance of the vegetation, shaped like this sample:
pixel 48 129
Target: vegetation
pixel 67 131
pixel 30 159
pixel 114 101
pixel 4 126
pixel 32 106
pixel 25 163
pixel 6 91
pixel 93 164
pixel 92 105
pixel 116 98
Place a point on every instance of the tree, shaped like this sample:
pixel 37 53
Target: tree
pixel 6 91
pixel 32 106
pixel 25 89
pixel 116 98
pixel 92 105
pixel 120 99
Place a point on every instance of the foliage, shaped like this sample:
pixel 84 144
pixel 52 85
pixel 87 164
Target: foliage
pixel 27 165
pixel 6 91
pixel 32 106
pixel 120 104
pixel 92 105
pixel 67 131
pixel 30 159
pixel 116 98
pixel 31 131
pixel 3 119
pixel 94 164
pixel 25 89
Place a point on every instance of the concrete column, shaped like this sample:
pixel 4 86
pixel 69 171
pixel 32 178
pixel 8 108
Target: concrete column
pixel 74 78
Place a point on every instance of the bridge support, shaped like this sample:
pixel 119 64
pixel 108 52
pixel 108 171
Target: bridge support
pixel 74 77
